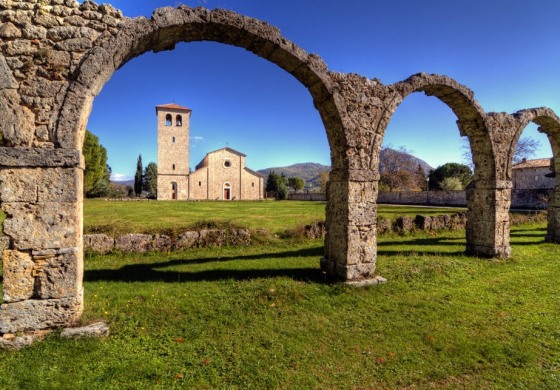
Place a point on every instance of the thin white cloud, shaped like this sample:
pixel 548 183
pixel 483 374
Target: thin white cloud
pixel 120 177
pixel 198 138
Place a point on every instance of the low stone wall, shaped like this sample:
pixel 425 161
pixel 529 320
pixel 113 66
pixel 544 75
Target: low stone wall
pixel 432 198
pixel 312 196
pixel 530 199
pixel 520 199
pixel 142 243
pixel 401 225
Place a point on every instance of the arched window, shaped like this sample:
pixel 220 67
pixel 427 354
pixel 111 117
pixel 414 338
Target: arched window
pixel 173 190
pixel 173 139
pixel 168 120
pixel 173 166
pixel 178 120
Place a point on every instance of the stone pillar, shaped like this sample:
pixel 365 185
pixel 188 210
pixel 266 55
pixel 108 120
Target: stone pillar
pixel 351 241
pixel 488 219
pixel 553 227
pixel 41 193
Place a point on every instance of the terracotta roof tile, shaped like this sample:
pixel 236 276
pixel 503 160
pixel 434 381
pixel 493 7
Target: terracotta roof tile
pixel 172 106
pixel 538 163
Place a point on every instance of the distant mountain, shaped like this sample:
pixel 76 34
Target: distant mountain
pixel 307 171
pixel 124 183
pixel 310 171
pixel 410 163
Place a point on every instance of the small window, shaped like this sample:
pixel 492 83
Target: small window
pixel 200 184
pixel 227 163
pixel 173 167
pixel 252 184
pixel 173 139
pixel 178 120
pixel 168 119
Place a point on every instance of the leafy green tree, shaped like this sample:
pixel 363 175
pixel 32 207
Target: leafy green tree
pixel 138 177
pixel 278 184
pixel 97 173
pixel 460 171
pixel 282 191
pixel 451 184
pixel 150 179
pixel 297 183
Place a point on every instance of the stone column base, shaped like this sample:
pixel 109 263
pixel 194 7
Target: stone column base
pixel 355 275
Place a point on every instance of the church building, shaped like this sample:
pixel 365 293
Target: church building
pixel 221 175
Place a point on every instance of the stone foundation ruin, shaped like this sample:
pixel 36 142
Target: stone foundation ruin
pixel 56 55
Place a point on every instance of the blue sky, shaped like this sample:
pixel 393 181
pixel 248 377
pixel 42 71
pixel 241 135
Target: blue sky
pixel 506 51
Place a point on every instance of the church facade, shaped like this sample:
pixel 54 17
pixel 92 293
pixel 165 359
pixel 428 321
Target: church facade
pixel 221 175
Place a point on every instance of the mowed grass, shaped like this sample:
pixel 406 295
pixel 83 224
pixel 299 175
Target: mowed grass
pixel 119 217
pixel 264 316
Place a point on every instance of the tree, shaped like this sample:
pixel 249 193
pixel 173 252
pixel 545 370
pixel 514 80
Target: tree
pixel 526 148
pixel 451 184
pixel 296 183
pixel 150 179
pixel 459 171
pixel 398 169
pixel 324 181
pixel 138 178
pixel 278 184
pixel 97 173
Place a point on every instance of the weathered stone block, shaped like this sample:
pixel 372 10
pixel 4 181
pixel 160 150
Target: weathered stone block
pixel 18 268
pixel 40 314
pixel 238 237
pixel 58 275
pixel 134 243
pixel 4 243
pixel 39 157
pixel 46 225
pixel 187 240
pixel 212 237
pixel 40 185
pixel 162 243
pixel 362 244
pixel 383 225
pixel 98 329
pixel 100 243
pixel 405 225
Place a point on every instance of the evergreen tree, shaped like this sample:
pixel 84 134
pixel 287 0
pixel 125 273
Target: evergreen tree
pixel 97 173
pixel 150 179
pixel 138 177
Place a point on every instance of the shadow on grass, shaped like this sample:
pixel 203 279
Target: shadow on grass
pixel 152 272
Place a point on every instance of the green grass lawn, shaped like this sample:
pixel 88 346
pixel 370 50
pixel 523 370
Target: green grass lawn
pixel 118 217
pixel 264 316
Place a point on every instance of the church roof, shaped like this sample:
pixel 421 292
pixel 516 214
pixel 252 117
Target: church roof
pixel 202 163
pixel 172 106
pixel 538 163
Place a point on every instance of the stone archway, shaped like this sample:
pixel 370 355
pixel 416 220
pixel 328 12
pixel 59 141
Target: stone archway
pixel 83 46
pixel 483 218
pixel 56 56
pixel 549 123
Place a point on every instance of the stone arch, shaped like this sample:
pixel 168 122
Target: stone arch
pixel 169 26
pixel 549 123
pixel 469 113
pixel 487 229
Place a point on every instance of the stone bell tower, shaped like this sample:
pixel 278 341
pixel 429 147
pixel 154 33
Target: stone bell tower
pixel 173 151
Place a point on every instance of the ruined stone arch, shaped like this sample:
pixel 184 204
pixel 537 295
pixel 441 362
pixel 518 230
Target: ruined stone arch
pixel 469 113
pixel 47 87
pixel 549 123
pixel 169 26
